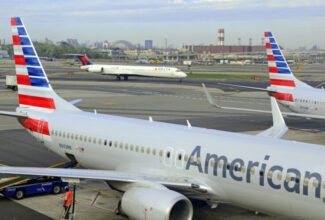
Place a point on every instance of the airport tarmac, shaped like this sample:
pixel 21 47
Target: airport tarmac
pixel 165 100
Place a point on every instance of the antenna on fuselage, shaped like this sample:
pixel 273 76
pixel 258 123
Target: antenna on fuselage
pixel 188 124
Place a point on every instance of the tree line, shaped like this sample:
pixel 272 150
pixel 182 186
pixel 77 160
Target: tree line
pixel 57 51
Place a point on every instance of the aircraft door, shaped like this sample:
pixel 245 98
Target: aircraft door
pixel 168 155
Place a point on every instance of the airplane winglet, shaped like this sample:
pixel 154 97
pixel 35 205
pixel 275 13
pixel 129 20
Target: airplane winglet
pixel 14 114
pixel 246 87
pixel 213 103
pixel 279 127
pixel 276 113
pixel 73 102
pixel 209 97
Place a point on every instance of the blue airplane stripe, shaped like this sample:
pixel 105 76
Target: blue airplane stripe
pixel 278 58
pixel 24 41
pixel 29 51
pixel 276 52
pixel 272 40
pixel 286 71
pixel 269 34
pixel 21 31
pixel 274 46
pixel 18 21
pixel 30 61
pixel 280 64
pixel 40 82
pixel 35 71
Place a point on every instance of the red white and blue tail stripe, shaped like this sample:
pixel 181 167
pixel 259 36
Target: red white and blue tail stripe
pixel 84 59
pixel 34 90
pixel 279 70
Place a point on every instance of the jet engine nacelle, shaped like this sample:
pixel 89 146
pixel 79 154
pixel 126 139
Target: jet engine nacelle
pixel 158 204
pixel 96 69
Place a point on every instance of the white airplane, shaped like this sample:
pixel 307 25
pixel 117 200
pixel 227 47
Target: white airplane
pixel 128 70
pixel 159 166
pixel 304 100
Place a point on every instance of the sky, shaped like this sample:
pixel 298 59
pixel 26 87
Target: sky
pixel 295 23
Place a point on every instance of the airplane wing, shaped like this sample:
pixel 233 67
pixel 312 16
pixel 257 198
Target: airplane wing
pixel 117 176
pixel 14 114
pixel 247 87
pixel 289 114
pixel 76 101
pixel 279 127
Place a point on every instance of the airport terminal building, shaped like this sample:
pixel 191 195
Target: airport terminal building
pixel 214 49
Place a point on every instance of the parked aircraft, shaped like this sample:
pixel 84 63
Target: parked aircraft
pixel 126 71
pixel 306 101
pixel 160 166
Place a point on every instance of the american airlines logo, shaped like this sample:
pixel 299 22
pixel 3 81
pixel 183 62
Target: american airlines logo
pixel 275 176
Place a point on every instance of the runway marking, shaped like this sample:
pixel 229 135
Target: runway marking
pixel 56 165
pixel 320 84
pixel 218 100
pixel 8 95
pixel 109 103
pixel 10 179
pixel 95 199
pixel 97 207
pixel 116 195
pixel 19 182
pixel 24 180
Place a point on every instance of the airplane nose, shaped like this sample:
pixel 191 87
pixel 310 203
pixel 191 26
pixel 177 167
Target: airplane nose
pixel 182 75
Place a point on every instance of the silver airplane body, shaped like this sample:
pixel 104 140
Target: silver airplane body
pixel 159 166
pixel 304 100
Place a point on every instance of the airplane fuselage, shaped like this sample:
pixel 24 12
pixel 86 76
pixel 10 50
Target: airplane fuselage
pixel 303 100
pixel 279 177
pixel 127 70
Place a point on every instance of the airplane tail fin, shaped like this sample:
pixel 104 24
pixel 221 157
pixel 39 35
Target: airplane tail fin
pixel 279 70
pixel 34 89
pixel 84 59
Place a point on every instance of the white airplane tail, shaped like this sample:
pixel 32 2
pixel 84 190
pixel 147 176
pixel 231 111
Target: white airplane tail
pixel 279 70
pixel 34 90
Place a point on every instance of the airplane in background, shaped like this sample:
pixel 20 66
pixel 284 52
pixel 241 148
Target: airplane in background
pixel 160 166
pixel 304 100
pixel 126 71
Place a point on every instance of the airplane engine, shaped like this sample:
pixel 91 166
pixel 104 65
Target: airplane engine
pixel 96 69
pixel 158 204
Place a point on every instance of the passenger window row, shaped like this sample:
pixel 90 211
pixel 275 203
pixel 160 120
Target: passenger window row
pixel 110 143
pixel 76 137
pixel 309 101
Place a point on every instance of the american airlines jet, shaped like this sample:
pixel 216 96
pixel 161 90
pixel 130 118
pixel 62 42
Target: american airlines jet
pixel 126 71
pixel 159 166
pixel 304 100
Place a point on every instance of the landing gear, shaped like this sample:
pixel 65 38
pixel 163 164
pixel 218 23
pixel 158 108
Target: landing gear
pixel 180 80
pixel 119 211
pixel 126 77
pixel 118 78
